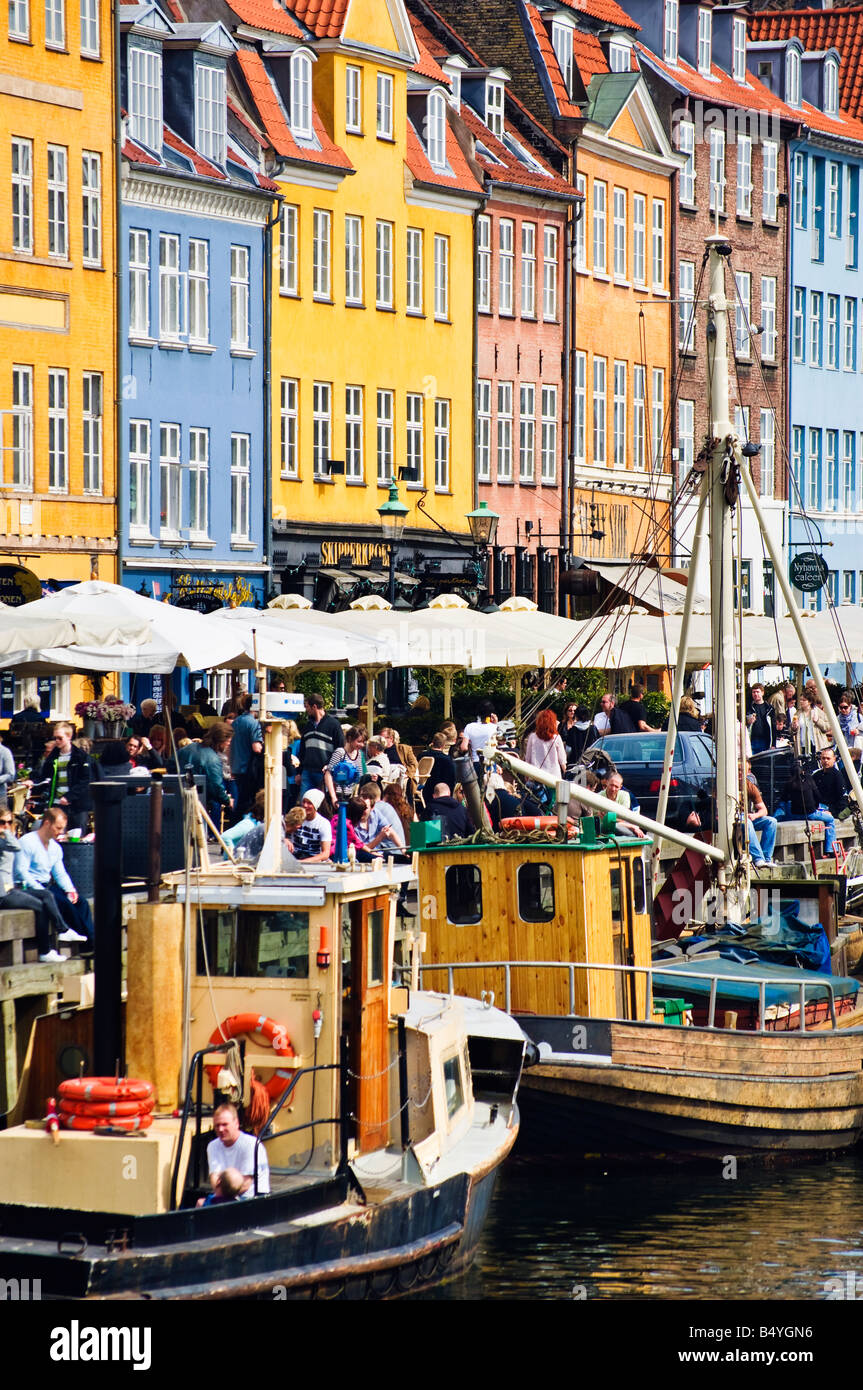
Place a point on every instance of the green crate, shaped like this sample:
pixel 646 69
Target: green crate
pixel 673 1010
pixel 425 833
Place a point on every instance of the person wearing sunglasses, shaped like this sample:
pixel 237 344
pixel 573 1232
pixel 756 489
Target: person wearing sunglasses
pixel 45 914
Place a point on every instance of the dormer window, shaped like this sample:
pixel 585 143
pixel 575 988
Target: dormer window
pixel 210 112
pixel 436 130
pixel 792 77
pixel 618 57
pixel 831 87
pixel 145 96
pixel 669 33
pixel 455 88
pixel 494 107
pixel 561 41
pixel 705 41
pixel 301 95
pixel 738 54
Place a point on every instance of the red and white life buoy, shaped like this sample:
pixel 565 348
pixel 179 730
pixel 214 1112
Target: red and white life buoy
pixel 90 1122
pixel 529 823
pixel 276 1035
pixel 105 1088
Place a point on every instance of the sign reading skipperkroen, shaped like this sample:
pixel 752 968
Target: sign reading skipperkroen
pixel 809 572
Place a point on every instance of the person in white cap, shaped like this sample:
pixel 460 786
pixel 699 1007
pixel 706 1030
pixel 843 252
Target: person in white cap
pixel 313 839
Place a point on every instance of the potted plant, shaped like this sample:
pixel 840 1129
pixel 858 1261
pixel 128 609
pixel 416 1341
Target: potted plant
pixel 91 712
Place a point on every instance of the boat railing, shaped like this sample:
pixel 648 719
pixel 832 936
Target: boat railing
pixel 285 1097
pixel 649 971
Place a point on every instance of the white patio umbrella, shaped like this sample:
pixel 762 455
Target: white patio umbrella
pixel 297 639
pixel 21 629
pixel 176 636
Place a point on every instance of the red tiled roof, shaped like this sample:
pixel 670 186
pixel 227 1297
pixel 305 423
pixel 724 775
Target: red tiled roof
pixel 244 121
pixel 267 14
pixel 426 65
pixel 274 123
pixel 136 155
pixel 606 11
pixel 174 11
pixel 565 106
pixel 817 31
pixel 461 180
pixel 199 163
pixel 588 55
pixel 510 170
pixel 325 18
pixel 720 88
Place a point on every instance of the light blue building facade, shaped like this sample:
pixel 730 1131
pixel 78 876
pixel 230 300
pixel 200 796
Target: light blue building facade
pixel 825 319
pixel 195 232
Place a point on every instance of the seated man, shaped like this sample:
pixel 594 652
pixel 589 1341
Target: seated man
pixel 829 778
pixel 454 819
pixel 232 1148
pixel 759 821
pixel 622 802
pixel 46 915
pixel 40 871
pixel 313 839
pixel 805 802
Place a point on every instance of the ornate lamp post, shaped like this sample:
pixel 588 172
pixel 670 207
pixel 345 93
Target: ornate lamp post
pixel 393 515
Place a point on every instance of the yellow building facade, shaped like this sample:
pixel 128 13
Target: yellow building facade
pixel 373 307
pixel 57 295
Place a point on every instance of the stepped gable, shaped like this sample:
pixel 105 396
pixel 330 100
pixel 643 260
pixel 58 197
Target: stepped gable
pixel 819 30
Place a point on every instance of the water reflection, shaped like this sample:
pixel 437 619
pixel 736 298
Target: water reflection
pixel 670 1233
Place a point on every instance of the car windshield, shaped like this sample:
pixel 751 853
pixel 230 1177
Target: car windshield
pixel 636 748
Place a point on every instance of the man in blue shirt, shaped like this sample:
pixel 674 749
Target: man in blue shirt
pixel 248 739
pixel 39 869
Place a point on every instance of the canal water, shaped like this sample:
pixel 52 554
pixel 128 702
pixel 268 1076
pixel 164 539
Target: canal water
pixel 670 1232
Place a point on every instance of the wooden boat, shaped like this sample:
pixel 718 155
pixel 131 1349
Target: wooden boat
pixel 391 1109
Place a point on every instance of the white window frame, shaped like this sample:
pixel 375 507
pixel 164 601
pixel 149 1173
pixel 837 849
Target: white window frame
pixel 618 414
pixel 436 129
pixel 240 302
pixel 22 427
pixel 527 432
pixel 769 179
pixel 717 170
pixel 91 207
pixel 670 31
pixel 22 195
pixel 354 434
pixel 816 328
pixel 385 437
pixel 58 429
pixel 353 259
pixel 483 430
pixel 831 87
pixel 322 429
pixel 550 244
pixel 831 355
pixel 414 270
pixel 743 314
pixel 139 283
pixel 483 264
pixel 767 426
pixel 849 335
pixel 528 270
pixel 90 44
pixel 801 171
pixel 199 291
pixel 384 288
pixel 686 176
pixel 301 95
pixel 639 416
pixel 639 240
pixel 353 99
pixel 58 202
pixel 321 255
pixel 415 438
pixel 139 477
pixel 849 470
pixel 686 306
pixel 211 112
pixel 658 417
pixel 618 233
pixel 441 278
pixel 505 266
pixel 831 460
pixel 170 501
pixel 494 106
pixel 685 437
pixel 289 427
pixel 813 469
pixel 657 245
pixel 144 85
pixel 19 20
pixel 744 175
pixel 798 334
pixel 705 41
pixel 600 412
pixel 548 440
pixel 199 483
pixel 833 201
pixel 170 282
pixel 92 431
pixel 579 408
pixel 288 251
pixel 600 227
pixel 581 224
pixel 241 487
pixel 738 50
pixel 504 431
pixel 792 77
pixel 561 42
pixel 619 57
pixel 384 106
pixel 769 334
pixel 442 414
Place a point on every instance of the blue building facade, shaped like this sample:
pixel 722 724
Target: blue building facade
pixel 824 341
pixel 195 233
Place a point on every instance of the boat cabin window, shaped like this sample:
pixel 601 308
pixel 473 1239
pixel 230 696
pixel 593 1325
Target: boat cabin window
pixel 614 885
pixel 463 894
pixel 639 886
pixel 453 1085
pixel 536 892
pixel 376 947
pixel 266 943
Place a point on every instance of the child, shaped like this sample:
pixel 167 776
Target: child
pixel 229 1187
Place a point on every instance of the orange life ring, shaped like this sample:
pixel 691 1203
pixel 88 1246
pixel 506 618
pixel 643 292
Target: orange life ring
pixel 276 1035
pixel 90 1122
pixel 530 823
pixel 105 1088
pixel 105 1109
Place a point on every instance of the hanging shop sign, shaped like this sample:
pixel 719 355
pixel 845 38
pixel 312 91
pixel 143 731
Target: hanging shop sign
pixel 206 595
pixel 18 585
pixel 361 553
pixel 809 572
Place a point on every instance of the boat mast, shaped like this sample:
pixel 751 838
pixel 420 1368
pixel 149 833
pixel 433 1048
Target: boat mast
pixel 732 875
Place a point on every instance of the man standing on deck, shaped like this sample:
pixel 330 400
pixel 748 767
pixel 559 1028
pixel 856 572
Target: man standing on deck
pixel 247 740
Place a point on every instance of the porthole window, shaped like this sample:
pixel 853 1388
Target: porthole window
pixel 535 892
pixel 463 894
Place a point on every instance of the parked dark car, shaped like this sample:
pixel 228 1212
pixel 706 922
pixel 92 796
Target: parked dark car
pixel 638 758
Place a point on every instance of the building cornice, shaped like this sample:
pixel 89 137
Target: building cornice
pixel 143 189
pixel 592 141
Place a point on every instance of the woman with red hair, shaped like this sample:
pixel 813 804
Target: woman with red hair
pixel 544 748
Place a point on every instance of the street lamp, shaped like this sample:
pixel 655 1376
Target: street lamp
pixel 393 515
pixel 483 525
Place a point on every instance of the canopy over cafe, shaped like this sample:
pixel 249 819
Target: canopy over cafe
pixel 18 586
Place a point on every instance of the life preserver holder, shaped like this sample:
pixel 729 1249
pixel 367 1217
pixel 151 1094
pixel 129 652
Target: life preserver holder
pixel 276 1035
pixel 105 1088
pixel 530 823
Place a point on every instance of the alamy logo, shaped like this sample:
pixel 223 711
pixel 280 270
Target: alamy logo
pixel 20 1290
pixel 77 1343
